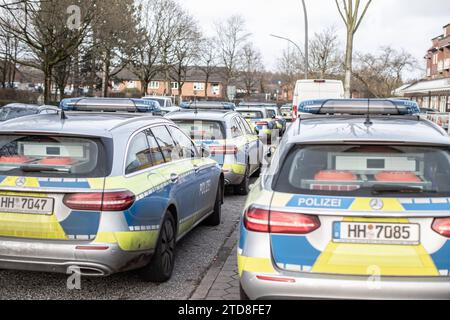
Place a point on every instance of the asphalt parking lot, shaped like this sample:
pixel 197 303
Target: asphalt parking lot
pixel 195 254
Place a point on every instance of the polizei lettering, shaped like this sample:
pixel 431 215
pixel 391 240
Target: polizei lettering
pixel 320 202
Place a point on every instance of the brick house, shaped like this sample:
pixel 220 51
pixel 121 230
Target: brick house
pixel 434 91
pixel 194 86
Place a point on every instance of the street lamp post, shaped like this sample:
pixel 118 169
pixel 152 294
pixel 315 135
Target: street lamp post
pixel 306 40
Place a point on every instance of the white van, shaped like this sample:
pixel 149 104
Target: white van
pixel 316 89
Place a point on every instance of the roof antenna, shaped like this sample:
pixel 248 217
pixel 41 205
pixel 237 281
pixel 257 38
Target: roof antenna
pixel 63 115
pixel 368 122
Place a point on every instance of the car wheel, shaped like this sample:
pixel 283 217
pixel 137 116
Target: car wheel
pixel 242 294
pixel 161 266
pixel 216 218
pixel 244 188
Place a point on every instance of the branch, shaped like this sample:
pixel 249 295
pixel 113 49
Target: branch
pixel 362 15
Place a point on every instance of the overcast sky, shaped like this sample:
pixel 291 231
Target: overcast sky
pixel 408 24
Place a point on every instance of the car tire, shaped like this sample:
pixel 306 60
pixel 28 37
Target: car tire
pixel 242 294
pixel 161 266
pixel 216 217
pixel 244 188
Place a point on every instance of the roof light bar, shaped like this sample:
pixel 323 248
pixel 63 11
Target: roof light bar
pixel 360 107
pixel 109 105
pixel 208 105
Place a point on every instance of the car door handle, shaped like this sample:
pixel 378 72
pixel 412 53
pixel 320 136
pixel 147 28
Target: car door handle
pixel 174 178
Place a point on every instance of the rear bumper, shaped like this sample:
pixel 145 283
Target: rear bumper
pixel 345 287
pixel 60 257
pixel 234 174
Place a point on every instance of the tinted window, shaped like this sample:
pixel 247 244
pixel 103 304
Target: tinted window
pixel 271 114
pixel 235 129
pixel 184 143
pixel 366 171
pixel 202 130
pixel 245 126
pixel 48 156
pixel 166 143
pixel 252 114
pixel 138 157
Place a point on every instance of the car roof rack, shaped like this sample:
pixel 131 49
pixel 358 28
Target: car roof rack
pixel 365 107
pixel 109 105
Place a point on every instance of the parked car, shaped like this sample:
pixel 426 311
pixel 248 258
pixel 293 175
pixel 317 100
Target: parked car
pixel 17 110
pixel 166 111
pixel 287 112
pixel 316 90
pixel 164 102
pixel 101 192
pixel 280 120
pixel 262 121
pixel 230 141
pixel 355 205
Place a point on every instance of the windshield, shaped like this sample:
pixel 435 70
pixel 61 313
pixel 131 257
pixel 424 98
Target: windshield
pixel 51 156
pixel 252 114
pixel 202 130
pixel 366 171
pixel 161 102
pixel 12 113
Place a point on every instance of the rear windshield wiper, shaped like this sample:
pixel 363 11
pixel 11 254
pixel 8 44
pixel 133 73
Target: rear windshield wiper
pixel 380 189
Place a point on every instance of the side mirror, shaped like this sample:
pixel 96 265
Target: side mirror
pixel 205 152
pixel 271 152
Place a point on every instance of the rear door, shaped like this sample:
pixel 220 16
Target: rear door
pixel 38 173
pixel 180 175
pixel 363 210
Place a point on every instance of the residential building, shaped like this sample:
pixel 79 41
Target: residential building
pixel 434 91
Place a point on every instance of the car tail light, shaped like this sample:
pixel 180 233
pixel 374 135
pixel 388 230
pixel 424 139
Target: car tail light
pixel 213 150
pixel 292 223
pixel 257 220
pixel 265 221
pixel 442 226
pixel 294 113
pixel 108 201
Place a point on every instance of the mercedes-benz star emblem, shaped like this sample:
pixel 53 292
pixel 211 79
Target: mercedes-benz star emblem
pixel 20 182
pixel 376 204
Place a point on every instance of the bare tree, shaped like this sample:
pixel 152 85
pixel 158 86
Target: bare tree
pixel 208 59
pixel 325 55
pixel 42 27
pixel 349 11
pixel 231 37
pixel 290 67
pixel 146 62
pixel 185 49
pixel 250 67
pixel 382 73
pixel 114 36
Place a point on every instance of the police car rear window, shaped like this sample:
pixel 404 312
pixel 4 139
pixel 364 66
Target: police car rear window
pixel 51 156
pixel 252 114
pixel 366 171
pixel 202 130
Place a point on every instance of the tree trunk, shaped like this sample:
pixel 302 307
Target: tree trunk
pixel 144 88
pixel 206 86
pixel 47 84
pixel 348 65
